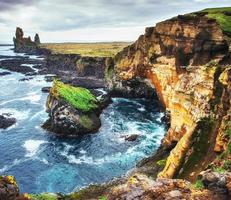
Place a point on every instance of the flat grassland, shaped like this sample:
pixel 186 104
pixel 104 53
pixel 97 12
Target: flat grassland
pixel 101 49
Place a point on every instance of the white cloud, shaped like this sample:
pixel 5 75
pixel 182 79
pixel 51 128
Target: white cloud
pixel 81 20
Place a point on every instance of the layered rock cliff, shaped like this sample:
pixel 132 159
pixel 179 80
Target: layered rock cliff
pixel 184 59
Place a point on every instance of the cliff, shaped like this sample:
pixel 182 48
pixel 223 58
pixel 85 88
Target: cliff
pixel 25 44
pixel 185 59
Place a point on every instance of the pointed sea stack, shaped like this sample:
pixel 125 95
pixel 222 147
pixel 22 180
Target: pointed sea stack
pixel 25 44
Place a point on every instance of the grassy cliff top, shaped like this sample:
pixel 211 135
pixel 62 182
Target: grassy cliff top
pixel 78 97
pixel 104 49
pixel 222 16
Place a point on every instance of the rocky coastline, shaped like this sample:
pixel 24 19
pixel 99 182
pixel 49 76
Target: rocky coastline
pixel 185 62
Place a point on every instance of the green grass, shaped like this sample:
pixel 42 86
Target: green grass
pixel 42 197
pixel 220 16
pixel 198 185
pixel 219 169
pixel 101 49
pixel 80 98
pixel 161 162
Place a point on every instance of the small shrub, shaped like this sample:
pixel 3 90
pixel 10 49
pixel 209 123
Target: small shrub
pixel 103 198
pixel 199 185
pixel 228 132
pixel 161 162
pixel 42 197
pixel 229 148
pixel 227 164
pixel 219 169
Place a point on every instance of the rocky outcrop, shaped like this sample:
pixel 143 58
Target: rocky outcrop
pixel 73 111
pixel 8 188
pixel 6 121
pixel 181 58
pixel 76 70
pixel 23 44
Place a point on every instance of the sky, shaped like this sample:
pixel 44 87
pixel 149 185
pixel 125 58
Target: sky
pixel 91 20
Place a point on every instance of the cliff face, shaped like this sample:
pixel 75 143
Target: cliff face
pixel 181 58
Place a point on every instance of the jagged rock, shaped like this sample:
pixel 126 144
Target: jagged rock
pixel 6 121
pixel 23 44
pixel 131 138
pixel 46 89
pixel 217 182
pixel 142 187
pixel 37 39
pixel 8 188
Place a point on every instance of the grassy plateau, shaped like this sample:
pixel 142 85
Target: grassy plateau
pixel 104 49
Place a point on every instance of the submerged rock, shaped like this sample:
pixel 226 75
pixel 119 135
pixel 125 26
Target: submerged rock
pixel 73 111
pixel 46 89
pixel 131 138
pixel 6 121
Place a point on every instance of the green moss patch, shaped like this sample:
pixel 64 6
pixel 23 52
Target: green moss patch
pixel 222 16
pixel 198 185
pixel 42 197
pixel 199 146
pixel 80 98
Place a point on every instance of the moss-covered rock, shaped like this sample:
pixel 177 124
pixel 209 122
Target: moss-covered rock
pixel 73 111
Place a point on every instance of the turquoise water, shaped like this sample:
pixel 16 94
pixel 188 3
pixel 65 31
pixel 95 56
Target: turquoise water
pixel 42 162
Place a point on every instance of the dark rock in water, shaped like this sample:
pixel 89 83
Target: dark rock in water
pixel 67 120
pixel 19 64
pixel 31 74
pixel 46 89
pixel 4 73
pixel 26 79
pixel 8 188
pixel 6 122
pixel 25 45
pixel 50 78
pixel 131 138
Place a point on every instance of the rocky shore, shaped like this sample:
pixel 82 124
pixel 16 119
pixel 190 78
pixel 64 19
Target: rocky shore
pixel 186 62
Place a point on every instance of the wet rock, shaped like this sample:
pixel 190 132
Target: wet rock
pixel 131 138
pixel 6 121
pixel 46 89
pixel 17 65
pixel 4 73
pixel 26 79
pixel 50 78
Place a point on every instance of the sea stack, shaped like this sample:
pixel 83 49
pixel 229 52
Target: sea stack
pixel 25 44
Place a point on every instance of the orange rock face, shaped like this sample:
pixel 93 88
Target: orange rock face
pixel 178 58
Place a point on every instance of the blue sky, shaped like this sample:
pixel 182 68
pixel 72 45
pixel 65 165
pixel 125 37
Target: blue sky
pixel 91 20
